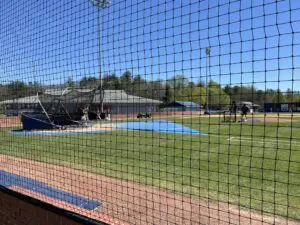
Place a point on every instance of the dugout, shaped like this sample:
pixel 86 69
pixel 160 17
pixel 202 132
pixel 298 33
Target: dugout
pixel 282 107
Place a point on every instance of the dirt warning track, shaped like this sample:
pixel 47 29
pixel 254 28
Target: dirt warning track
pixel 13 121
pixel 125 202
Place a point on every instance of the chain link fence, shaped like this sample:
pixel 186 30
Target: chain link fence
pixel 153 112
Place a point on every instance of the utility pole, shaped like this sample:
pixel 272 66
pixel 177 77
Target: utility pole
pixel 207 51
pixel 100 4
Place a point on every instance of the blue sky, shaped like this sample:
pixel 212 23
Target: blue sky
pixel 252 42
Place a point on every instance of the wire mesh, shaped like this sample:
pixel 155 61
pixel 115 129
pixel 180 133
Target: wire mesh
pixel 195 111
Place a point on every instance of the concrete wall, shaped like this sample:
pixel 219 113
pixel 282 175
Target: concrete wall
pixel 14 211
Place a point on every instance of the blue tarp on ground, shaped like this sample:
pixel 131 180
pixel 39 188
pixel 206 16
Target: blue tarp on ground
pixel 9 179
pixel 164 126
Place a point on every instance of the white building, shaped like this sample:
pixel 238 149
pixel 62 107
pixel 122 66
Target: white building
pixel 115 102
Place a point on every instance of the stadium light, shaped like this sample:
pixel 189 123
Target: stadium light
pixel 100 4
pixel 207 51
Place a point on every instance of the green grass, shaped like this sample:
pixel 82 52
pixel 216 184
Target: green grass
pixel 259 168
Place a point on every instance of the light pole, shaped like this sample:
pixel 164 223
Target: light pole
pixel 100 4
pixel 207 51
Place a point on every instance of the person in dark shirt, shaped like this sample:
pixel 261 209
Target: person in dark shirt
pixel 245 109
pixel 233 110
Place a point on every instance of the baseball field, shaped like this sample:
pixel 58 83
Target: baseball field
pixel 249 170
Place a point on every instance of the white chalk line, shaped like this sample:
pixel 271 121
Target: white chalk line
pixel 259 140
pixel 266 142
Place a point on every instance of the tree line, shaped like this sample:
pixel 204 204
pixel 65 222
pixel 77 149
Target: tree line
pixel 18 89
pixel 177 88
pixel 180 88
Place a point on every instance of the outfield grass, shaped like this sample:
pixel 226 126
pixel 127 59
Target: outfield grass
pixel 253 165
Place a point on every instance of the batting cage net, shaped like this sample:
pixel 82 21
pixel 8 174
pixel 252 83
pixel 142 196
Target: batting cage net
pixel 153 112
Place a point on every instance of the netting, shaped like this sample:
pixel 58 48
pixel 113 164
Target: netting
pixel 174 112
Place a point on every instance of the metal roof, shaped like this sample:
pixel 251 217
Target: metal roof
pixel 248 103
pixel 120 96
pixel 24 100
pixel 110 96
pixel 66 91
pixel 188 104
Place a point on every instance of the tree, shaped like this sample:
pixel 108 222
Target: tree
pixel 198 95
pixel 289 95
pixel 200 84
pixel 138 79
pixel 191 84
pixel 126 81
pixel 137 83
pixel 177 84
pixel 217 98
pixel 17 89
pixel 70 82
pixel 178 81
pixel 279 96
pixel 260 97
pixel 33 88
pixel 111 82
pixel 168 95
pixel 227 89
pixel 90 82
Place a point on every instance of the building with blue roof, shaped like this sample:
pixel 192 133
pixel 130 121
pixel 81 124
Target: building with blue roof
pixel 181 106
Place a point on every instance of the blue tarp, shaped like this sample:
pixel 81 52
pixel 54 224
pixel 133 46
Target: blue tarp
pixel 159 126
pixel 163 126
pixel 9 179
